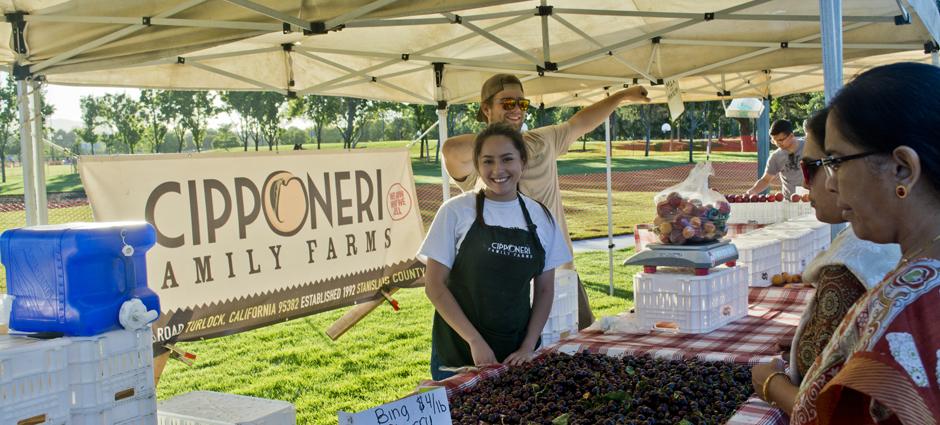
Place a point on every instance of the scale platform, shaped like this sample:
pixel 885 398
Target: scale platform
pixel 700 257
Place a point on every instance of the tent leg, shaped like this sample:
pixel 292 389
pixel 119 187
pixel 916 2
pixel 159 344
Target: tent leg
pixel 442 136
pixel 935 59
pixel 830 20
pixel 610 209
pixel 441 126
pixel 763 139
pixel 31 155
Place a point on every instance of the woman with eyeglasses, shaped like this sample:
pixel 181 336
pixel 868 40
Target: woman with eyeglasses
pixel 883 164
pixel 841 275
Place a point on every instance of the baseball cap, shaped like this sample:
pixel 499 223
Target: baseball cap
pixel 491 87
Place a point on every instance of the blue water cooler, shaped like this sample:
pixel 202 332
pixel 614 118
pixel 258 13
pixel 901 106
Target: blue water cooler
pixel 73 279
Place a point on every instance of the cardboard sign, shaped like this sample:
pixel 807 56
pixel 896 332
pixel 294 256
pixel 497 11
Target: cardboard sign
pixel 676 107
pixel 427 408
pixel 247 240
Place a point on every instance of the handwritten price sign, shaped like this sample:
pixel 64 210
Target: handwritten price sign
pixel 427 408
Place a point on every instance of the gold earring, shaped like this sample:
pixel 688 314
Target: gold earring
pixel 901 191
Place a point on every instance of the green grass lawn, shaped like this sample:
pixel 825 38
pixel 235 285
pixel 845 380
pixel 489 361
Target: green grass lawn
pixel 586 211
pixel 381 359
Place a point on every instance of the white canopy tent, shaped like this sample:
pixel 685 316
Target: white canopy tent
pixel 568 52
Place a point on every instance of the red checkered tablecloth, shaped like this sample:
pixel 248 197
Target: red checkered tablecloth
pixel 773 314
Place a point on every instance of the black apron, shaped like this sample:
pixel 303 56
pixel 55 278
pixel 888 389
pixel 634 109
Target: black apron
pixel 491 281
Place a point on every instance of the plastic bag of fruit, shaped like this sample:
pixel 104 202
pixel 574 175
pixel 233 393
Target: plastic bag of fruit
pixel 690 212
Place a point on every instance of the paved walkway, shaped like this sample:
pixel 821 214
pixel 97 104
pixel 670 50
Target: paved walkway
pixel 600 244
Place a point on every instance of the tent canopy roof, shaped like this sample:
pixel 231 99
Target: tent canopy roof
pixel 570 53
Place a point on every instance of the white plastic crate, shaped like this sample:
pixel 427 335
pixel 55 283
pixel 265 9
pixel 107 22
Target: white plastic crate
pixel 696 304
pixel 133 410
pixel 760 257
pixel 211 408
pixel 106 369
pixel 33 380
pixel 793 210
pixel 563 317
pixel 756 212
pixel 796 245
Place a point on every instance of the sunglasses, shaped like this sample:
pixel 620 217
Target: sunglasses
pixel 809 168
pixel 510 104
pixel 832 163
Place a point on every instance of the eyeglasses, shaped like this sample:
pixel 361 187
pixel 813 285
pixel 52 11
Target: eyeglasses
pixel 510 104
pixel 832 163
pixel 810 167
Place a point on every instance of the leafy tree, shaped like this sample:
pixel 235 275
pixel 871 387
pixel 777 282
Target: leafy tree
pixel 353 116
pixel 156 110
pixel 123 115
pixel 9 122
pixel 196 110
pixel 244 104
pixel 91 119
pixel 423 116
pixel 320 110
pixel 294 136
pixel 268 115
pixel 224 138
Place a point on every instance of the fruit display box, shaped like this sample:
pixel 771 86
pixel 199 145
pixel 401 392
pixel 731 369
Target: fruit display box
pixel 590 389
pixel 686 303
pixel 761 258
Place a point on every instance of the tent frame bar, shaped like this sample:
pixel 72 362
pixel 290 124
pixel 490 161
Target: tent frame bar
pixel 791 45
pixel 234 76
pixel 754 54
pixel 353 14
pixel 274 14
pixel 723 15
pixel 594 41
pixel 589 56
pixel 172 22
pixel 498 41
pixel 110 37
pixel 361 72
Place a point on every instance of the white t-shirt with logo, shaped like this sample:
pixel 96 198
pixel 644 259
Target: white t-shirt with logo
pixel 454 218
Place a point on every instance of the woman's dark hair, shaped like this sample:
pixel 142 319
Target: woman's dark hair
pixel 891 106
pixel 816 125
pixel 499 129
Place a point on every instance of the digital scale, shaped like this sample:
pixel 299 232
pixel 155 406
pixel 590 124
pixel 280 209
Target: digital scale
pixel 700 257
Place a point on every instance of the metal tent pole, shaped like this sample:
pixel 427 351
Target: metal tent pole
pixel 608 146
pixel 34 187
pixel 830 22
pixel 441 126
pixel 763 139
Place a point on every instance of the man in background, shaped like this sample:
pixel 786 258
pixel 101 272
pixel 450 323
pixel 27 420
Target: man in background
pixel 783 162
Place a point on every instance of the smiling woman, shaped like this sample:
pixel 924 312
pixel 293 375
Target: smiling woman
pixel 482 251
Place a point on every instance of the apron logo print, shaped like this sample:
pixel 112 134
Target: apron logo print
pixel 510 250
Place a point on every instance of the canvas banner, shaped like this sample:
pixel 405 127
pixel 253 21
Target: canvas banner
pixel 246 240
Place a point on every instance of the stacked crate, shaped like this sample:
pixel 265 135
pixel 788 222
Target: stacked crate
pixel 34 381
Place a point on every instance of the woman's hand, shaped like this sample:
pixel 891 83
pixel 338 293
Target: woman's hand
pixel 482 353
pixel 760 373
pixel 520 356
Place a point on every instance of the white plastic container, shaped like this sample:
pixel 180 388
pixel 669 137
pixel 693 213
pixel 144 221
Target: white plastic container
pixel 793 210
pixel 761 258
pixel 33 380
pixel 756 213
pixel 796 249
pixel 110 369
pixel 211 408
pixel 133 410
pixel 563 318
pixel 694 304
